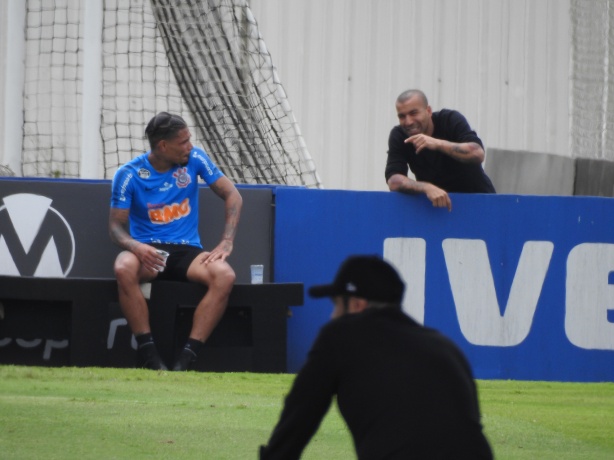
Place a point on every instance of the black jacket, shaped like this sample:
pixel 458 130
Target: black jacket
pixel 405 391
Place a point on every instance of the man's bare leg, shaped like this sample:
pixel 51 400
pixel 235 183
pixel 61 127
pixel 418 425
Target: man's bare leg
pixel 219 278
pixel 128 272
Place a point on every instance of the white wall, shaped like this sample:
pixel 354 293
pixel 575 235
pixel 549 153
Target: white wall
pixel 503 63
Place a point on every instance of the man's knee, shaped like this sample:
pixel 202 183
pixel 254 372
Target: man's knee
pixel 216 275
pixel 227 275
pixel 125 266
pixel 222 276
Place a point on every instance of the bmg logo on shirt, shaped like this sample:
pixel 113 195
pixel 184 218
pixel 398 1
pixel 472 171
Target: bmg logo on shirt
pixel 170 212
pixel 35 239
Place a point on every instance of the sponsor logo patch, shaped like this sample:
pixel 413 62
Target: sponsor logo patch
pixel 170 212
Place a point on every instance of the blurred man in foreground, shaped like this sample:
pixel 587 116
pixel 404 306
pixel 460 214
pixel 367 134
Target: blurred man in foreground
pixel 404 390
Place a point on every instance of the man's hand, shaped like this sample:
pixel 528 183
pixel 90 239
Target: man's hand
pixel 437 196
pixel 149 257
pixel 403 184
pixel 221 251
pixel 422 141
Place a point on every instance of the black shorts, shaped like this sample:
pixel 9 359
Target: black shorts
pixel 179 260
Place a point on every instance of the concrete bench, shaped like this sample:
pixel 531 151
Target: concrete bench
pixel 78 322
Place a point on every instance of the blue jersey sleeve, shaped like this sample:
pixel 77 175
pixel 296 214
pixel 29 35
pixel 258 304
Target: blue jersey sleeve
pixel 206 169
pixel 121 189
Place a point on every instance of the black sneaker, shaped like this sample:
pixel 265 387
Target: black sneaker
pixel 149 357
pixel 185 360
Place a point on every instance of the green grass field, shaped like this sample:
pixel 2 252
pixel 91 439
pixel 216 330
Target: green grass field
pixel 94 413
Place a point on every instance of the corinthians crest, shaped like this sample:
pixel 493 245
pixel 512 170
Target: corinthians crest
pixel 182 177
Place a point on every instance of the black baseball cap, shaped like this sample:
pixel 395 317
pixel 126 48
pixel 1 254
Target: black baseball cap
pixel 368 277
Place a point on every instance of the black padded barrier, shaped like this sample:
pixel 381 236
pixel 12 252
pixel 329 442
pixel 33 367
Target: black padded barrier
pixel 78 322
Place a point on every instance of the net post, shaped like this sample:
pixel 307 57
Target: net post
pixel 90 162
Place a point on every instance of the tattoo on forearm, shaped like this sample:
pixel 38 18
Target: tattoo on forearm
pixel 232 218
pixel 131 244
pixel 122 238
pixel 458 148
pixel 116 234
pixel 232 211
pixel 230 231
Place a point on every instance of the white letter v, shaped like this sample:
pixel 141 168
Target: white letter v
pixel 473 289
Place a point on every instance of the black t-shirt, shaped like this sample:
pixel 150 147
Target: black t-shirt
pixel 436 167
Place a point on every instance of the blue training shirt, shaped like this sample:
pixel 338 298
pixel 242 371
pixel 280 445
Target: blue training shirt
pixel 163 206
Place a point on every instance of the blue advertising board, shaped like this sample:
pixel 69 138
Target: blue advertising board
pixel 523 284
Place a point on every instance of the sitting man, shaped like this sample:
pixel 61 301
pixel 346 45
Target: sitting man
pixel 154 210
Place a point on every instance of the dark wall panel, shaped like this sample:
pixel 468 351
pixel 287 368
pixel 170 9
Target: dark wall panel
pixel 52 228
pixel 594 177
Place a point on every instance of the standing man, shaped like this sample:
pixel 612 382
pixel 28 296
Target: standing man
pixel 442 151
pixel 154 206
pixel 404 390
